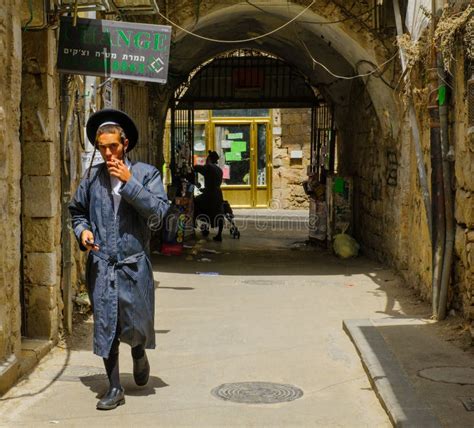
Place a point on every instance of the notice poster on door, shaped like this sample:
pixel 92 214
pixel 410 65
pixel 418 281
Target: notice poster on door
pixel 235 136
pixel 233 156
pixel 239 146
pixel 199 160
pixel 225 144
pixel 226 172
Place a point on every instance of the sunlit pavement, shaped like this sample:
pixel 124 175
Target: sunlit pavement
pixel 265 308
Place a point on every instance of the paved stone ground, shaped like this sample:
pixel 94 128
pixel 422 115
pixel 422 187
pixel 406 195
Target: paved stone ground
pixel 273 313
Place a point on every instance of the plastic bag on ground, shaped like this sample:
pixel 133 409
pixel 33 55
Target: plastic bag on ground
pixel 345 246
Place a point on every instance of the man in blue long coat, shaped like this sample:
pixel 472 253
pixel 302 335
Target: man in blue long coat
pixel 111 211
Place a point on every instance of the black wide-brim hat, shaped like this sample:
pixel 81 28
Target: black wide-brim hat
pixel 112 116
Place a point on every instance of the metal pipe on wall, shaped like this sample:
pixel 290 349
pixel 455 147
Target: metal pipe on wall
pixel 437 189
pixel 67 109
pixel 446 233
pixel 448 195
pixel 439 223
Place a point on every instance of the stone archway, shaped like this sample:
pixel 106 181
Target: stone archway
pixel 345 48
pixel 367 114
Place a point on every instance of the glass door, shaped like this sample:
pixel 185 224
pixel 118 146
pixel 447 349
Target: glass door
pixel 233 144
pixel 261 188
pixel 200 148
pixel 243 152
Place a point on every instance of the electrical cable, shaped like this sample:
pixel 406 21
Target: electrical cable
pixel 377 75
pixel 348 77
pixel 339 20
pixel 315 22
pixel 30 7
pixel 209 39
pixel 197 7
pixel 441 77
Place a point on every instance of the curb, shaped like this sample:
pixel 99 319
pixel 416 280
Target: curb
pixel 390 383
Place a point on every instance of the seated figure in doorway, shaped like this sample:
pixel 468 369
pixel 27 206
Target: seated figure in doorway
pixel 208 207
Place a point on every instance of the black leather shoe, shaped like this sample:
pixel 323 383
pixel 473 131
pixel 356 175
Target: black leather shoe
pixel 114 397
pixel 217 238
pixel 141 370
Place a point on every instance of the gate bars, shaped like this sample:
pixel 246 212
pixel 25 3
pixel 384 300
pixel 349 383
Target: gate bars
pixel 182 138
pixel 323 141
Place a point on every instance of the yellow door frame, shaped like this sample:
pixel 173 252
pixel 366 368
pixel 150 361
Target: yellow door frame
pixel 253 187
pixel 209 125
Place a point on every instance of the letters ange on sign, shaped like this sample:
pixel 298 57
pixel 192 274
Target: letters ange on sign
pixel 126 50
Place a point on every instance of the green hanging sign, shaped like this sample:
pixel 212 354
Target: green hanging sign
pixel 126 50
pixel 442 95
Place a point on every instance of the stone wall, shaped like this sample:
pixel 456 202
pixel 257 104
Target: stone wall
pixel 416 245
pixel 390 217
pixel 414 258
pixel 158 102
pixel 387 209
pixel 10 197
pixel 41 185
pixel 463 138
pixel 291 132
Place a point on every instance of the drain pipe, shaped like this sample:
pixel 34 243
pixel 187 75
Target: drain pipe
pixel 437 188
pixel 67 109
pixel 448 194
pixel 438 202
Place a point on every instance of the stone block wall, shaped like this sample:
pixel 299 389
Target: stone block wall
pixel 463 142
pixel 388 215
pixel 10 175
pixel 41 185
pixel 291 131
pixel 158 102
pixel 417 266
pixel 416 245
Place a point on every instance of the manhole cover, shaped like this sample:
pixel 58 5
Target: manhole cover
pixel 257 392
pixel 459 375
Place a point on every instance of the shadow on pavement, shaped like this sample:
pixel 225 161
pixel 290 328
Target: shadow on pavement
pixel 54 379
pixel 99 385
pixel 395 352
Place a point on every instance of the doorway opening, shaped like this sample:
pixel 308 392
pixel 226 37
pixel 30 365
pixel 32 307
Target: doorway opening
pixel 242 139
pixel 233 104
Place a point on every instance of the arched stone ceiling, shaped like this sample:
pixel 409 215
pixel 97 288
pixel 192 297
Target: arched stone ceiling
pixel 338 48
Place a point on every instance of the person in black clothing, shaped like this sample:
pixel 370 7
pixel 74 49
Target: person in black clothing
pixel 208 206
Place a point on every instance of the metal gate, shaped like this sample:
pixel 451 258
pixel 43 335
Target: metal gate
pixel 182 138
pixel 323 141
